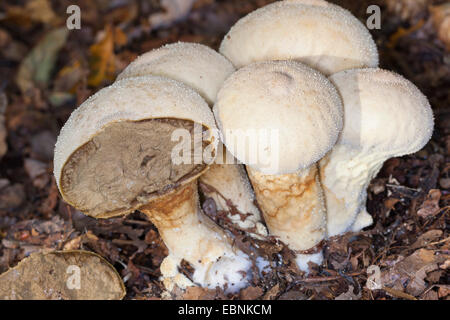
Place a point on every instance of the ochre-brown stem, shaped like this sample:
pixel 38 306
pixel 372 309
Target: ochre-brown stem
pixel 293 206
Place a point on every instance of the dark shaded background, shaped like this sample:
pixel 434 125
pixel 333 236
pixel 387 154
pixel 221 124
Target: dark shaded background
pixel 46 72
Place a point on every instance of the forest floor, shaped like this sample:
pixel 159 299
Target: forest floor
pixel 47 71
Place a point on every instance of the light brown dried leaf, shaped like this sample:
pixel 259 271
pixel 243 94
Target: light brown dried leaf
pixel 251 293
pixel 427 238
pixel 408 274
pixel 40 11
pixel 349 295
pixel 441 20
pixel 444 290
pixel 101 59
pixel 198 293
pixel 3 132
pixel 430 207
pixel 272 293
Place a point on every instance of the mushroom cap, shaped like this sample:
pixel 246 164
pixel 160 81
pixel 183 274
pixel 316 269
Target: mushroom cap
pixel 296 102
pixel 384 113
pixel 133 99
pixel 194 64
pixel 319 34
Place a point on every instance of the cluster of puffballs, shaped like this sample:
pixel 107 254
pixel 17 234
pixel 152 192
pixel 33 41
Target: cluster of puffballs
pixel 306 68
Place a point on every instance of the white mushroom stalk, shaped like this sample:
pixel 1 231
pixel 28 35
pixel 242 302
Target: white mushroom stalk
pixel 115 155
pixel 294 115
pixel 317 33
pixel 192 236
pixel 205 70
pixel 385 116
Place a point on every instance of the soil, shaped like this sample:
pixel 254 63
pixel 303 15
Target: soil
pixel 47 71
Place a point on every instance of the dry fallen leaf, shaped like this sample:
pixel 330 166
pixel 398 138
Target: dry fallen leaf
pixel 293 295
pixel 3 132
pixel 390 203
pixel 349 295
pixel 37 171
pixel 441 20
pixel 408 274
pixel 54 276
pixel 430 207
pixel 40 11
pixel 406 9
pixel 175 10
pixel 427 238
pixel 197 293
pixel 12 196
pixel 272 293
pixel 36 68
pixel 101 59
pixel 444 291
pixel 251 293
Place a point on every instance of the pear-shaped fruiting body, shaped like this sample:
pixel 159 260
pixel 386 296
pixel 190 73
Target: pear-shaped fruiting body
pixel 280 118
pixel 385 116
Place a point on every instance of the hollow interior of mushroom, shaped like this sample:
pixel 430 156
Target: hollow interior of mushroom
pixel 130 162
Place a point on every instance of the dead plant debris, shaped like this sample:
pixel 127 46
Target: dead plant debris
pixel 47 71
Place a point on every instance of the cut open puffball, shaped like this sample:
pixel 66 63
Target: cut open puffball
pixel 62 275
pixel 205 70
pixel 115 155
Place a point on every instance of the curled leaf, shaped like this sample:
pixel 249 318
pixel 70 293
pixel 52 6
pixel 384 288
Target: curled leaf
pixel 36 68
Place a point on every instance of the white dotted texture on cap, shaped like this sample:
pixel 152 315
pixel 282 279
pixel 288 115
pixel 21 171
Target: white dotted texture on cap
pixel 322 3
pixel 196 65
pixel 383 112
pixel 286 97
pixel 132 99
pixel 325 37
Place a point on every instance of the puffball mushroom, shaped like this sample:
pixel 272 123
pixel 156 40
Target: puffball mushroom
pixel 205 70
pixel 303 111
pixel 315 32
pixel 50 276
pixel 322 35
pixel 385 116
pixel 196 65
pixel 114 155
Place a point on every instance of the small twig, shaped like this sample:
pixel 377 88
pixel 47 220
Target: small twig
pixel 399 294
pixel 138 222
pixel 437 242
pixel 402 187
pixel 147 270
pixel 324 279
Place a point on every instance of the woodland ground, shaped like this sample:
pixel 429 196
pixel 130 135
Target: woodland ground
pixel 45 74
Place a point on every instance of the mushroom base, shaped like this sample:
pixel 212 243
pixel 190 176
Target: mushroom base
pixel 303 260
pixel 293 206
pixel 345 174
pixel 192 236
pixel 127 164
